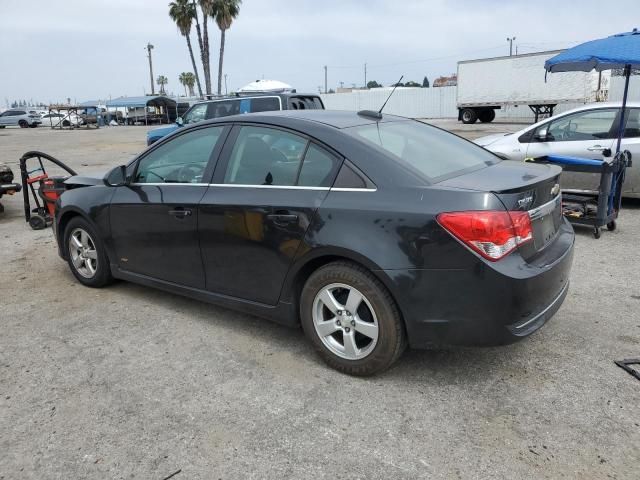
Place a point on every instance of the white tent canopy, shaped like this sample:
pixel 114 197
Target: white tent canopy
pixel 266 86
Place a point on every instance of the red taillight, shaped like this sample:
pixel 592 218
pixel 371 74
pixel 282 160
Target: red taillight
pixel 493 234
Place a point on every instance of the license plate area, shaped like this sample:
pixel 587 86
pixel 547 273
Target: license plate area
pixel 545 223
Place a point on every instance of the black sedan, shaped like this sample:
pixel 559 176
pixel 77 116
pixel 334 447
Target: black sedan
pixel 372 233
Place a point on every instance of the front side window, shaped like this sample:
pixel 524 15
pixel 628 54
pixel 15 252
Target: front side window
pixel 196 114
pixel 181 160
pixel 581 126
pixel 427 151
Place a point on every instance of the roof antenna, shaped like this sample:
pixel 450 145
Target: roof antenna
pixel 378 114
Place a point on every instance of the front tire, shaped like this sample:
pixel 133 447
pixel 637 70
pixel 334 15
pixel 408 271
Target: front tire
pixel 23 124
pixel 351 319
pixel 86 254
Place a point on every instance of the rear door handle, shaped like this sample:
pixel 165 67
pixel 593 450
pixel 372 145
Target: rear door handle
pixel 180 212
pixel 282 218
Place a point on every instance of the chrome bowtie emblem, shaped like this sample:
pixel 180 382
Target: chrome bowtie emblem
pixel 555 190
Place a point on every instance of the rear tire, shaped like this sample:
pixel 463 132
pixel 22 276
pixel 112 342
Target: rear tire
pixel 362 333
pixel 86 254
pixel 487 115
pixel 469 116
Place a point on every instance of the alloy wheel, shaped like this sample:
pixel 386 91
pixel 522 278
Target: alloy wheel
pixel 83 253
pixel 345 321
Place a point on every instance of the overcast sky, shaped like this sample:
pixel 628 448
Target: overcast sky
pixel 54 49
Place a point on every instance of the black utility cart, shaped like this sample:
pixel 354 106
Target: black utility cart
pixel 599 208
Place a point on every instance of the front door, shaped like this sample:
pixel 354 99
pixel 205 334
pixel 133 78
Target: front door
pixel 154 219
pixel 584 135
pixel 253 220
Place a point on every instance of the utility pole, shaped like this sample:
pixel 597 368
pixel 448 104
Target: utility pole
pixel 226 90
pixel 365 74
pixel 149 47
pixel 510 40
pixel 325 79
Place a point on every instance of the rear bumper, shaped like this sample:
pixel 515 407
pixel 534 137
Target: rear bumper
pixel 486 305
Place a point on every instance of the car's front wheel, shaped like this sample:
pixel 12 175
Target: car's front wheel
pixel 86 255
pixel 351 319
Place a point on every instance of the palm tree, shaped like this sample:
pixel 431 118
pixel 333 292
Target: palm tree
pixel 207 11
pixel 162 81
pixel 183 12
pixel 224 13
pixel 189 82
pixel 182 79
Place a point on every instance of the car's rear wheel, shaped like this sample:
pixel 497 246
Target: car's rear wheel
pixel 351 319
pixel 23 124
pixel 86 255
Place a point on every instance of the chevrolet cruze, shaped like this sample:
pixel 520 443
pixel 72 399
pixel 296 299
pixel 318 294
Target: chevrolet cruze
pixel 372 232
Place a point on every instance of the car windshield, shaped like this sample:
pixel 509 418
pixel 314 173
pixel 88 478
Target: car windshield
pixel 429 152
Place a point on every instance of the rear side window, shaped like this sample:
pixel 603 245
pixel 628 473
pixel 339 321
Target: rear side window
pixel 429 152
pixel 305 103
pixel 632 127
pixel 223 108
pixel 273 157
pixel 267 104
pixel 317 168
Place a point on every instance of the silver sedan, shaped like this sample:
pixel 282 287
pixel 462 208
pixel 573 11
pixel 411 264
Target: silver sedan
pixel 583 132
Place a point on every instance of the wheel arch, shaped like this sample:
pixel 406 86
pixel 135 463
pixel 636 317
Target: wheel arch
pixel 302 269
pixel 64 218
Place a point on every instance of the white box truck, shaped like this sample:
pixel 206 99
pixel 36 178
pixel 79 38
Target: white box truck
pixel 489 84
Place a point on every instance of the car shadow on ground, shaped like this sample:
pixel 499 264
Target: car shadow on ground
pixel 444 365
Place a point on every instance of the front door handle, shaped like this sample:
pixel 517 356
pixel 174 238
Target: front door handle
pixel 283 218
pixel 596 148
pixel 180 212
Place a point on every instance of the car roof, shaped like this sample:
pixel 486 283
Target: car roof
pixel 333 118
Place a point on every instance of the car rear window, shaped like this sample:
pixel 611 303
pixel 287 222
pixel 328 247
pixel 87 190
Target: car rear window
pixel 429 152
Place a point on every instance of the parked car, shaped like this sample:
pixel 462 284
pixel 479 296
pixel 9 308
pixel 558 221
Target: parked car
pixel 236 105
pixel 54 119
pixel 583 132
pixel 372 233
pixel 19 118
pixel 7 185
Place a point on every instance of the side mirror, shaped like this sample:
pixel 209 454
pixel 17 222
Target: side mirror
pixel 541 135
pixel 179 121
pixel 116 177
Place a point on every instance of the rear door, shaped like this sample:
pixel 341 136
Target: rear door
pixel 583 134
pixel 154 219
pixel 253 219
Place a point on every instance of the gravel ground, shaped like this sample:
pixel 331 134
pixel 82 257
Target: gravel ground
pixel 129 382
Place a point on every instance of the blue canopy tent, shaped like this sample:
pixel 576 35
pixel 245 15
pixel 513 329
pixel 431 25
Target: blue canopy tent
pixel 620 51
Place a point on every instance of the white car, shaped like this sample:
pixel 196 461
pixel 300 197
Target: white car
pixel 53 119
pixel 584 132
pixel 20 118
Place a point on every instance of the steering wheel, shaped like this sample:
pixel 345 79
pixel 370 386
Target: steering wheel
pixel 190 172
